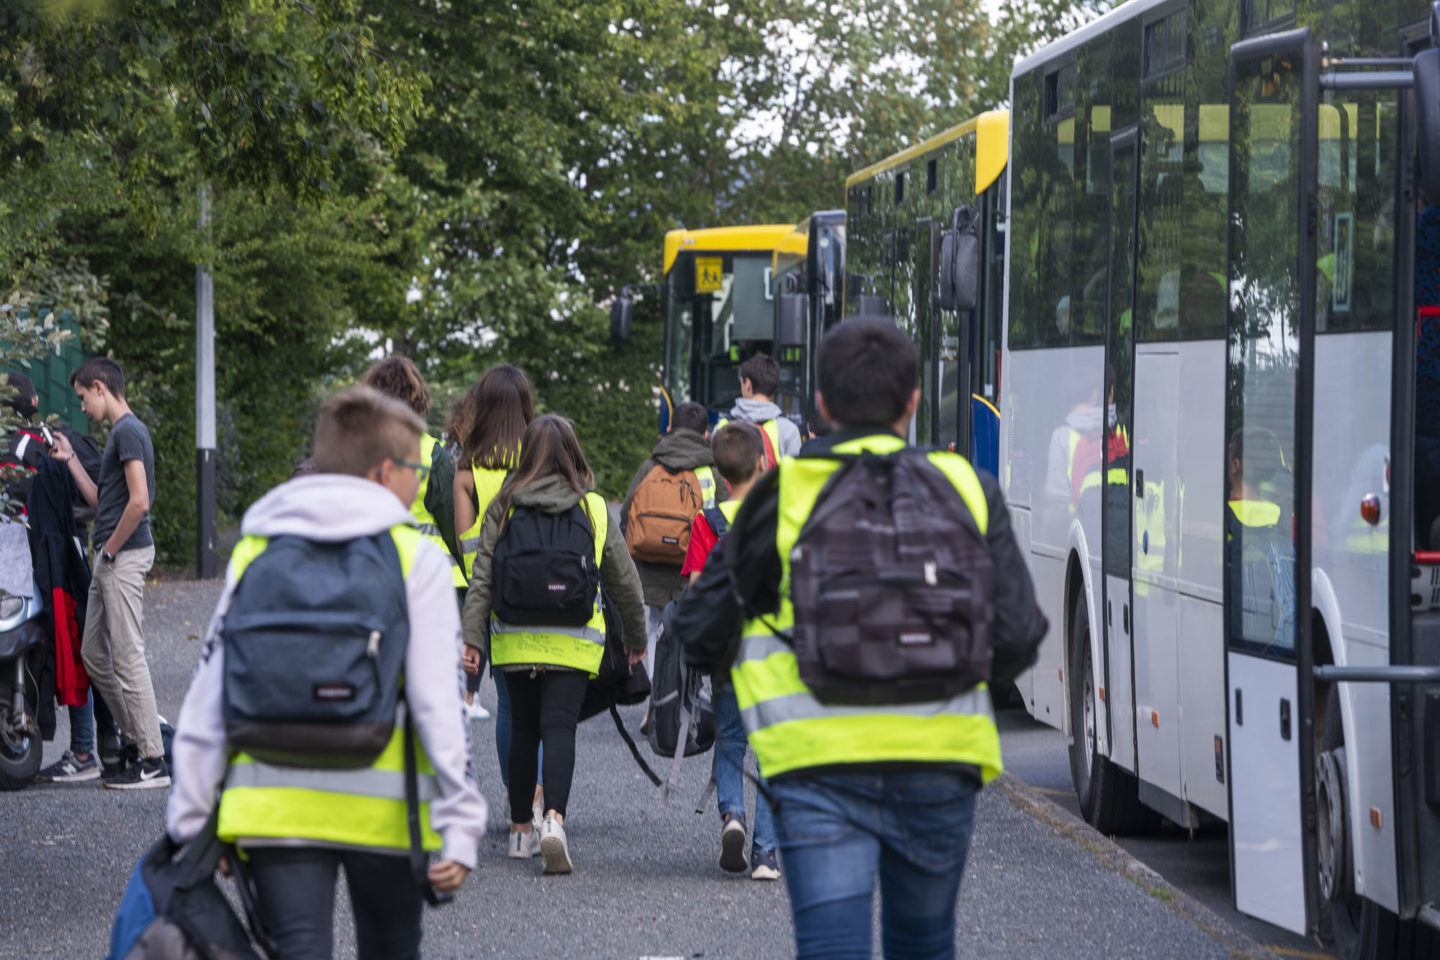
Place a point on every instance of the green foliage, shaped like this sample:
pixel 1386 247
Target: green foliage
pixel 461 181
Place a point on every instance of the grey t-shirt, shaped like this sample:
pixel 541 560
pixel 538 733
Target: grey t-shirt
pixel 129 440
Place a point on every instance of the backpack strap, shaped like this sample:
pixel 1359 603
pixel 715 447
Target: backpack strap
pixel 630 742
pixel 419 861
pixel 716 518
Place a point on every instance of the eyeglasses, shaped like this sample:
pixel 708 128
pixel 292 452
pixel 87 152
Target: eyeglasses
pixel 420 469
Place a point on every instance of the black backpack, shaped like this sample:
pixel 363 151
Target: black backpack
pixel 680 713
pixel 544 571
pixel 314 642
pixel 892 585
pixel 173 905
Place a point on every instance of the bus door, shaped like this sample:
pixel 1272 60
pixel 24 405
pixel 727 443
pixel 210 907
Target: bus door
pixel 927 333
pixel 1118 652
pixel 1268 392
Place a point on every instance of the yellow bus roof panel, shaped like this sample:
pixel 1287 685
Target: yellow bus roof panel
pixel 793 246
pixel 992 149
pixel 759 237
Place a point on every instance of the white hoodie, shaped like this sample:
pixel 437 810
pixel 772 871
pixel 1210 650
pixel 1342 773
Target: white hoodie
pixel 331 508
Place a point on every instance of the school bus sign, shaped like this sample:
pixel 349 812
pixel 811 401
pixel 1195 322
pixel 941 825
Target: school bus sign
pixel 709 274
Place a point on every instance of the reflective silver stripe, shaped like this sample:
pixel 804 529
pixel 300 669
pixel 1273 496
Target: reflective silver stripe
pixel 384 784
pixel 761 646
pixel 470 544
pixel 579 633
pixel 429 530
pixel 804 706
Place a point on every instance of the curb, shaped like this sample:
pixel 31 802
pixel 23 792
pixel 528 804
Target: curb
pixel 1118 859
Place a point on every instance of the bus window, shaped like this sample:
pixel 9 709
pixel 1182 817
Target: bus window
pixel 1355 214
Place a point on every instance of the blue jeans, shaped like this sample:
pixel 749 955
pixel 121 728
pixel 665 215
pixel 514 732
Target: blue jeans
pixel 730 744
pixel 82 723
pixel 837 832
pixel 503 716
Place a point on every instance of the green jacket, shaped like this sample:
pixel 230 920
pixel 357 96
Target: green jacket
pixel 617 570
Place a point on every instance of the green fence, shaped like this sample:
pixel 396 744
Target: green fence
pixel 51 375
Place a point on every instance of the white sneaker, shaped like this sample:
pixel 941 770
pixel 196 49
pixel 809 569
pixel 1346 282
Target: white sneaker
pixel 537 816
pixel 554 848
pixel 475 711
pixel 523 846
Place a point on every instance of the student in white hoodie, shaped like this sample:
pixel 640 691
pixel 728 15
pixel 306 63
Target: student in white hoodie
pixel 367 450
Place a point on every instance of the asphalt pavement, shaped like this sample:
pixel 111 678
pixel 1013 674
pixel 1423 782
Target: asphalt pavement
pixel 1039 884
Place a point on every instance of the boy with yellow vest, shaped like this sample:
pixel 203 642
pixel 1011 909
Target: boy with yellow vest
pixel 367 449
pixel 740 458
pixel 883 788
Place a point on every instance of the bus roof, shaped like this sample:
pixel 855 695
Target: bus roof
pixel 1076 38
pixel 758 237
pixel 992 149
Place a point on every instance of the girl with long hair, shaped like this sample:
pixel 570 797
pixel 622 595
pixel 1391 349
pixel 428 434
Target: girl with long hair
pixel 548 664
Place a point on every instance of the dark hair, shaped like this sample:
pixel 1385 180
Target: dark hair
pixel 868 370
pixel 737 447
pixel 103 369
pixel 819 426
pixel 360 427
pixel 398 377
pixel 23 402
pixel 763 373
pixel 690 416
pixel 549 448
pixel 499 409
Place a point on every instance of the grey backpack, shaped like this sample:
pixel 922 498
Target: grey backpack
pixel 314 643
pixel 892 585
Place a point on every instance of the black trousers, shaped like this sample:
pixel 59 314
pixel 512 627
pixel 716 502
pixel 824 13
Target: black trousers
pixel 296 890
pixel 545 707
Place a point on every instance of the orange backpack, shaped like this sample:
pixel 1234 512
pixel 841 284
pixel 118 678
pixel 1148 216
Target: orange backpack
pixel 657 527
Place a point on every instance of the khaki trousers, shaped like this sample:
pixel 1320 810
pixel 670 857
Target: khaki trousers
pixel 114 646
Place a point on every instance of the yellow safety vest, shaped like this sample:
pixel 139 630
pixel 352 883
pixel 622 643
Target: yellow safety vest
pixel 429 529
pixel 729 508
pixel 364 809
pixel 579 648
pixel 788 727
pixel 488 482
pixel 770 428
pixel 706 476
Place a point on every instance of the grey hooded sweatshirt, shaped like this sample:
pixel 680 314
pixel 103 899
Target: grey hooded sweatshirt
pixel 617 571
pixel 758 411
pixel 333 508
pixel 679 450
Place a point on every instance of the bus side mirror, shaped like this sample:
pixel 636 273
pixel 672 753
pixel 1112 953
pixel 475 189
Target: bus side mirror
pixel 622 317
pixel 1426 68
pixel 791 312
pixel 960 262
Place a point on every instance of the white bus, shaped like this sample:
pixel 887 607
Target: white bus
pixel 1221 462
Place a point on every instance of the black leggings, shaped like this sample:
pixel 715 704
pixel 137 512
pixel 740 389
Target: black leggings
pixel 543 707
pixel 296 890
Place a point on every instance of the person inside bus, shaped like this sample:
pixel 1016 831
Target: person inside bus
pixel 1259 545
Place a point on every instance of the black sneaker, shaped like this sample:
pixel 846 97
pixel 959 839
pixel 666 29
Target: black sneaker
pixel 115 765
pixel 149 774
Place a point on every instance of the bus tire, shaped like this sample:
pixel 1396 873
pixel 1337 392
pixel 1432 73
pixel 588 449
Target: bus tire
pixel 1109 796
pixel 1361 928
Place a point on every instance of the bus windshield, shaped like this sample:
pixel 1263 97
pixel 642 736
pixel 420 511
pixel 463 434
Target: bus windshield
pixel 718 312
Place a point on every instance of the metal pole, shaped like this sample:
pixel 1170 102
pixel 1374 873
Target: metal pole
pixel 207 560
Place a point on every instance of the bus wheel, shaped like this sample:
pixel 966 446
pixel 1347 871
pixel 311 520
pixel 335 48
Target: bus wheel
pixel 1109 796
pixel 1362 929
pixel 1332 833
